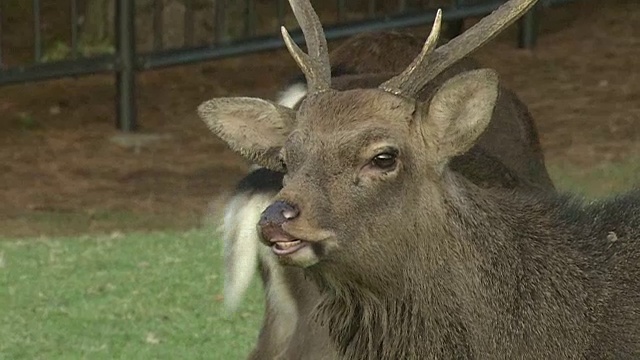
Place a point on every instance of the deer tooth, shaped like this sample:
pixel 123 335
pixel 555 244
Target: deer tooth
pixel 287 244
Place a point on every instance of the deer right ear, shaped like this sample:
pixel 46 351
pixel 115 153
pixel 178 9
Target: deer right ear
pixel 254 128
pixel 459 113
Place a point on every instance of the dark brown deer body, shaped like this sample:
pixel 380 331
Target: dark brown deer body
pixel 412 259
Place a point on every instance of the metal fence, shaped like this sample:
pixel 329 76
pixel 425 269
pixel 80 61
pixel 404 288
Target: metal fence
pixel 125 60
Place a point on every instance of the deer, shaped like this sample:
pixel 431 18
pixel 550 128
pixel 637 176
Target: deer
pixel 288 292
pixel 411 259
pixel 205 116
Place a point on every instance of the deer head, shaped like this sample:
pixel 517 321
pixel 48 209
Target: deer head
pixel 365 168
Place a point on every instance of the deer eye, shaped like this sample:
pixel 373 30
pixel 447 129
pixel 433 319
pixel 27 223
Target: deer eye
pixel 282 160
pixel 283 164
pixel 384 161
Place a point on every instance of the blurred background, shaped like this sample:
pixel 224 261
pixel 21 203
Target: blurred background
pixel 107 173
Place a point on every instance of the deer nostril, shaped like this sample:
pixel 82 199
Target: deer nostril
pixel 278 213
pixel 290 213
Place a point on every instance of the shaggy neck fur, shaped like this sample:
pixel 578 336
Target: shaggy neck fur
pixel 509 281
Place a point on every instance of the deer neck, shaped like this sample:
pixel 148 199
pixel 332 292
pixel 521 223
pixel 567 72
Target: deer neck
pixel 435 301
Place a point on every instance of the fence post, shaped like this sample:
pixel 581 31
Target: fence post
pixel 126 71
pixel 528 28
pixel 455 27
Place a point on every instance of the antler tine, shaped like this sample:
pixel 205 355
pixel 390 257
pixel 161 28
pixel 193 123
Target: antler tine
pixel 395 84
pixel 315 65
pixel 304 61
pixel 412 79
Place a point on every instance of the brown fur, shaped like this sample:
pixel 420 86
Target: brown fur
pixel 414 261
pixel 511 140
pixel 418 263
pixel 536 278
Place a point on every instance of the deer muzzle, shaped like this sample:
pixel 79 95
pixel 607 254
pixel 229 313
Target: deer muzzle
pixel 271 228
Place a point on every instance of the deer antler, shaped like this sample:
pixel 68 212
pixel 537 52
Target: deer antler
pixel 316 65
pixel 429 63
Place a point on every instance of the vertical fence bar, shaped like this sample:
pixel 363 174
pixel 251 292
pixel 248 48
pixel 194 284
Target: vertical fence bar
pixel 221 21
pixel 340 5
pixel 158 10
pixel 126 72
pixel 455 27
pixel 528 28
pixel 188 22
pixel 249 18
pixel 372 7
pixel 74 28
pixel 1 14
pixel 280 13
pixel 253 20
pixel 37 36
pixel 245 18
pixel 402 6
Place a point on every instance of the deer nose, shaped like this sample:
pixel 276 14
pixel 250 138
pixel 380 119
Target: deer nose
pixel 278 213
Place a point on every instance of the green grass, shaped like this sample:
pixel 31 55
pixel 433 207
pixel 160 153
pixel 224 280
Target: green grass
pixel 56 223
pixel 599 180
pixel 139 296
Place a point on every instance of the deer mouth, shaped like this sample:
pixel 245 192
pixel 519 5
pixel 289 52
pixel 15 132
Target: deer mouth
pixel 286 247
pixel 281 242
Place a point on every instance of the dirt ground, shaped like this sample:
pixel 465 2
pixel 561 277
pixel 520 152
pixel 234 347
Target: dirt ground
pixel 61 173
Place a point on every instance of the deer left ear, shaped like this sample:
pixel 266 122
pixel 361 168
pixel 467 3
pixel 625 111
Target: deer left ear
pixel 254 128
pixel 459 113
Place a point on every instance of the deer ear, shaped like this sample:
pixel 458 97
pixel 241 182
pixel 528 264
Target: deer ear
pixel 459 113
pixel 254 128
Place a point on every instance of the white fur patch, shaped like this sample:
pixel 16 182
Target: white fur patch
pixel 292 95
pixel 241 242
